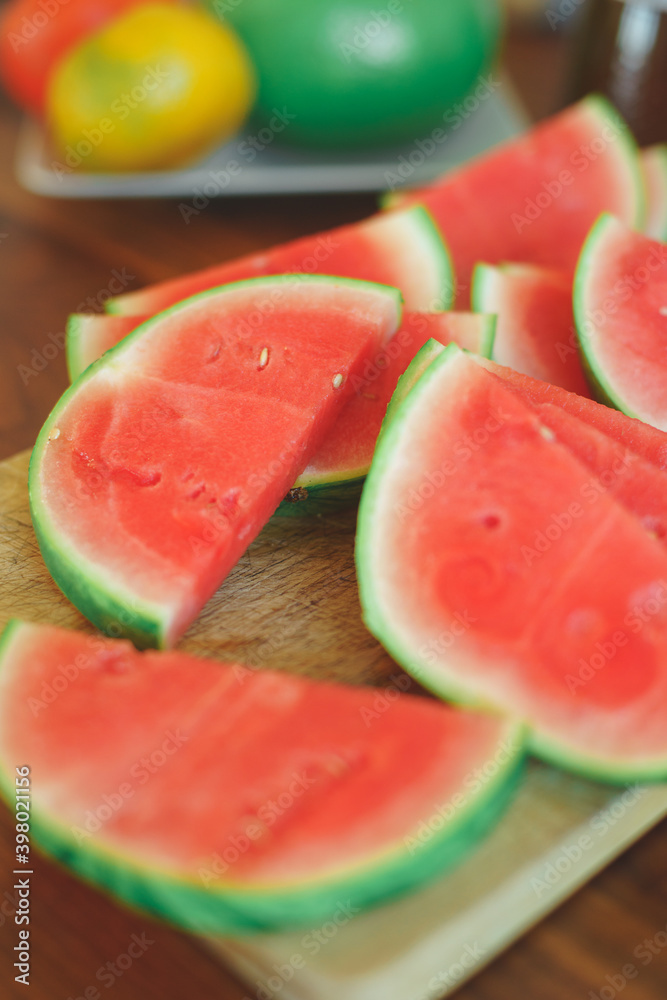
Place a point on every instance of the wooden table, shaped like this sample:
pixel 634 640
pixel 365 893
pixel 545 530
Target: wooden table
pixel 53 256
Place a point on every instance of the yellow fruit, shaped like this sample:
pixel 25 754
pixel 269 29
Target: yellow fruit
pixel 159 87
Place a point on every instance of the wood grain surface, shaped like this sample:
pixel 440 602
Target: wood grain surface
pixel 53 256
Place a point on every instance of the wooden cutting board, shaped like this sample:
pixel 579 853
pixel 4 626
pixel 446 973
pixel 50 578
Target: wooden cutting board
pixel 292 604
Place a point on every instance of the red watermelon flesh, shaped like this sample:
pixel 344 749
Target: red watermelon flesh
pixel 183 441
pixel 320 791
pixel 551 599
pixel 643 439
pixel 349 445
pixel 347 450
pixel 535 198
pixel 405 251
pixel 535 331
pixel 635 483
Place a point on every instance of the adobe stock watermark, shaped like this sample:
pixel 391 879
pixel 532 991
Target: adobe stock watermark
pixel 579 162
pixel 247 151
pixel 311 944
pixel 563 13
pixel 473 782
pixel 645 953
pixel 463 450
pixel 41 357
pixel 454 118
pixel 119 109
pixel 366 34
pixel 256 826
pixel 571 853
pixel 606 649
pixel 108 974
pixel 561 521
pixel 139 774
pixel 447 979
pixel 31 26
pixel 385 698
pixel 222 8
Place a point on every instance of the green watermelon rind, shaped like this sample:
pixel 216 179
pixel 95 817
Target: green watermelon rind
pixel 226 908
pixel 111 607
pixel 73 341
pixel 415 370
pixel 455 690
pixel 602 389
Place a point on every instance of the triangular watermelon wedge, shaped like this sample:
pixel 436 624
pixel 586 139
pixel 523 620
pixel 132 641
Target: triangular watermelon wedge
pixel 406 250
pixel 159 466
pixel 489 577
pixel 620 308
pixel 230 800
pixel 534 198
pixel 535 331
pixel 336 472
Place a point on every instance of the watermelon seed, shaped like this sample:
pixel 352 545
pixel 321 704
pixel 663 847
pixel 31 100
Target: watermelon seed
pixel 213 355
pixel 491 521
pixel 337 381
pixel 369 395
pixel 263 359
pixel 547 433
pixel 55 434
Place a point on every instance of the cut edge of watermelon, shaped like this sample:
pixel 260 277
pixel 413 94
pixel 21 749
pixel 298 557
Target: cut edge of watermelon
pixel 417 238
pixel 326 493
pixel 654 164
pixel 450 689
pixel 105 602
pixel 412 374
pixel 226 908
pixel 603 231
pixel 74 337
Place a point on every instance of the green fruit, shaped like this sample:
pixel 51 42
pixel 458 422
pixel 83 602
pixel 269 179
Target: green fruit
pixel 357 74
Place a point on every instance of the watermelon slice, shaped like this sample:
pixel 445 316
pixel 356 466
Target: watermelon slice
pixel 638 437
pixel 535 332
pixel 336 472
pixel 405 250
pixel 640 484
pixel 487 574
pixel 654 166
pixel 184 438
pixel 620 307
pixel 534 198
pixel 226 799
pixel 89 335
